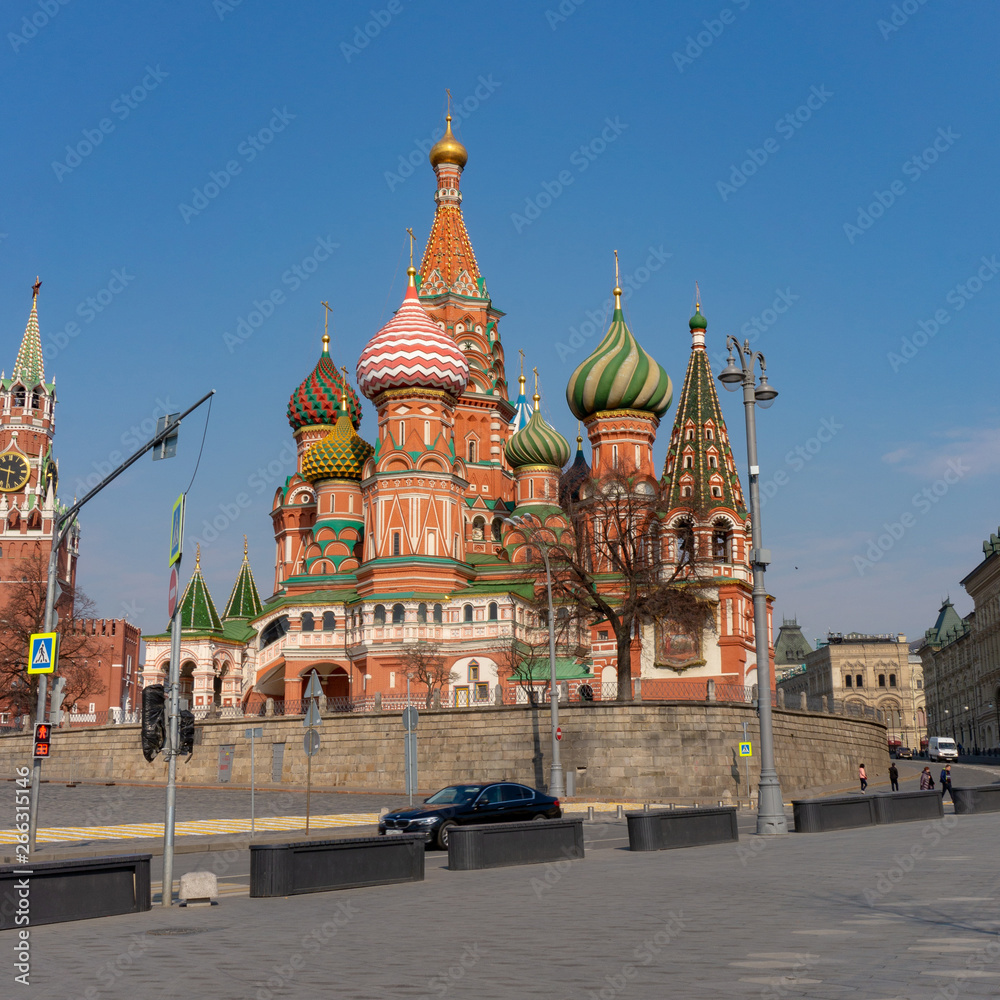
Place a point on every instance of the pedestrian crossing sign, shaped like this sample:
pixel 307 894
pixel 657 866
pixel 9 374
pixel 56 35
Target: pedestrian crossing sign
pixel 746 749
pixel 42 652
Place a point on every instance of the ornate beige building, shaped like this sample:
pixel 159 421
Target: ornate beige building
pixel 961 659
pixel 867 674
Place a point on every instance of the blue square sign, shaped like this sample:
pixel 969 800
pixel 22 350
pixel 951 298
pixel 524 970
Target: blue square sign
pixel 42 652
pixel 746 749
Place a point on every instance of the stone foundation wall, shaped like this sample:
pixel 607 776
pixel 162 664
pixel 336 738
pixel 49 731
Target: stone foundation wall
pixel 682 751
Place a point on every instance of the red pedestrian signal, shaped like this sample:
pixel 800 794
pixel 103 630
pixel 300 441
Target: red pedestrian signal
pixel 43 739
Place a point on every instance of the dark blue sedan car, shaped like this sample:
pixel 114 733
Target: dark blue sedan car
pixel 493 802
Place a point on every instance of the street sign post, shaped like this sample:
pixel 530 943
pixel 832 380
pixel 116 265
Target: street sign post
pixel 172 593
pixel 250 734
pixel 314 691
pixel 43 652
pixel 410 718
pixel 43 740
pixel 176 531
pixel 746 749
pixel 558 732
pixel 746 761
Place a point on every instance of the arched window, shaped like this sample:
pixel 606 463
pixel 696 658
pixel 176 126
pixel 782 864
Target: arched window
pixel 478 529
pixel 329 621
pixel 859 681
pixel 35 400
pixel 716 491
pixel 308 622
pixel 467 613
pixel 19 396
pixel 881 680
pixel 395 543
pixel 688 461
pixel 438 614
pixel 685 538
pixel 847 680
pixel 892 680
pixel 687 491
pixel 379 614
pixel 421 614
pixel 712 463
pixel 721 544
pixel 708 434
pixel 472 451
pixel 689 434
pixel 274 631
pixel 398 614
pixel 497 529
pixel 492 611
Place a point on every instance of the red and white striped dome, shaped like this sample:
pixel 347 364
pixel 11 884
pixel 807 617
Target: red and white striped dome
pixel 412 352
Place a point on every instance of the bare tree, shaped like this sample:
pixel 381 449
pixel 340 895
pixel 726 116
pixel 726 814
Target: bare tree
pixel 22 613
pixel 424 663
pixel 613 564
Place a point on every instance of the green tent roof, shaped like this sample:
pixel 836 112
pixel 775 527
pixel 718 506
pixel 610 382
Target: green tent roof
pixel 244 601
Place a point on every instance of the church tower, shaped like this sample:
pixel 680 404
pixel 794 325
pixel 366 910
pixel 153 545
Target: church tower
pixel 28 471
pixel 620 393
pixel 454 293
pixel 706 508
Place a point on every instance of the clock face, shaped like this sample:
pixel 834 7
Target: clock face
pixel 14 472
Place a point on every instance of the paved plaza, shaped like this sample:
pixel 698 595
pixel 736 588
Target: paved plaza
pixel 902 912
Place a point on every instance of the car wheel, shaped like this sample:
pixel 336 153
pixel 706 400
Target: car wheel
pixel 538 817
pixel 442 834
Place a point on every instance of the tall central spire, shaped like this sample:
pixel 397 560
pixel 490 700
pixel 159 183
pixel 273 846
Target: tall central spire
pixel 29 367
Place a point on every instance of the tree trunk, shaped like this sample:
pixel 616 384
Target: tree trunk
pixel 623 635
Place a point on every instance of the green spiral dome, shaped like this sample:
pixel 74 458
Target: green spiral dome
pixel 536 443
pixel 619 375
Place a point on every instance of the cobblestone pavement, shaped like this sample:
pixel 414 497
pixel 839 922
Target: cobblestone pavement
pixel 905 911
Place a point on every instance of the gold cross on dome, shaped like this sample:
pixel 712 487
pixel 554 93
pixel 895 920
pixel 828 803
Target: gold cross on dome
pixel 412 237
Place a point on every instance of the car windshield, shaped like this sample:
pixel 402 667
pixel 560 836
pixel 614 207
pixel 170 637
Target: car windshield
pixel 454 795
pixel 946 743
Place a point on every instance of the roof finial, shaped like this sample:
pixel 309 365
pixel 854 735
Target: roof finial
pixel 448 92
pixel 697 298
pixel 343 395
pixel 536 397
pixel 35 287
pixel 579 436
pixel 245 548
pixel 520 377
pixel 617 288
pixel 197 558
pixel 326 328
pixel 411 270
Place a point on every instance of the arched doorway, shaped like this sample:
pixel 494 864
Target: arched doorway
pixel 333 679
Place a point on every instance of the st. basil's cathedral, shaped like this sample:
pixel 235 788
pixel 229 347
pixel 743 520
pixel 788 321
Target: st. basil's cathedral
pixel 380 545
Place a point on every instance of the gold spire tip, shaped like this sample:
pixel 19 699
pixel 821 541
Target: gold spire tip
pixel 244 547
pixel 697 298
pixel 197 558
pixel 409 230
pixel 536 397
pixel 617 290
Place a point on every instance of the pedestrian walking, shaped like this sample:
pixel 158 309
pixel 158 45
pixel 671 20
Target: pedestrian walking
pixel 894 777
pixel 946 783
pixel 863 775
pixel 926 781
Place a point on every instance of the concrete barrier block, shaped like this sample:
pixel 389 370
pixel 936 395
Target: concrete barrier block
pixel 198 887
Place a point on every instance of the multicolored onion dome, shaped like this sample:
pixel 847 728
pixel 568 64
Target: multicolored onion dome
pixel 537 444
pixel 317 400
pixel 619 375
pixel 412 352
pixel 340 455
pixel 448 149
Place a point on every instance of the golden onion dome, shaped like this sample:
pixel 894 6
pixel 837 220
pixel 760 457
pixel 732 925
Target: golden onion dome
pixel 340 455
pixel 448 149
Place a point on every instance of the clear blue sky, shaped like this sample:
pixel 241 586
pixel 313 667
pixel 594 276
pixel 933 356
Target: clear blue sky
pixel 200 78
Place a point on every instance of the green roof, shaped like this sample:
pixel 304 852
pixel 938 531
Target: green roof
pixel 29 367
pixel 198 612
pixel 567 669
pixel 948 627
pixel 244 601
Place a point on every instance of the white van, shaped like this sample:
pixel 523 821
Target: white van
pixel 942 748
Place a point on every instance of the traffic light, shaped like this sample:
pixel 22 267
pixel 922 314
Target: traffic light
pixel 55 706
pixel 43 739
pixel 186 732
pixel 154 732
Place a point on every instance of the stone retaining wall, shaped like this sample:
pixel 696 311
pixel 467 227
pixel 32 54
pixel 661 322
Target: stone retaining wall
pixel 683 751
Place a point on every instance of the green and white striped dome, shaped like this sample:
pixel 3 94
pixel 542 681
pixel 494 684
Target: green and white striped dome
pixel 619 375
pixel 537 444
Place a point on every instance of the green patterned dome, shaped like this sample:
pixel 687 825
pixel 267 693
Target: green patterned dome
pixel 317 400
pixel 619 375
pixel 340 455
pixel 537 444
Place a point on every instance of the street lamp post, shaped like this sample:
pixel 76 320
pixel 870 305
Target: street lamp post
pixel 770 808
pixel 523 523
